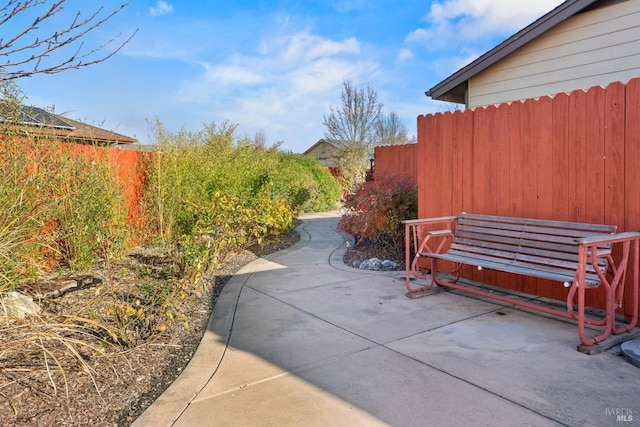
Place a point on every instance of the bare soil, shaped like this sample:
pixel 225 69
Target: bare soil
pixel 58 369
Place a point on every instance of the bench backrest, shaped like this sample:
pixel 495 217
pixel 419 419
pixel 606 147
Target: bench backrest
pixel 528 243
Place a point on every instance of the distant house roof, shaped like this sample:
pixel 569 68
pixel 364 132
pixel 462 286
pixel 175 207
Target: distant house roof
pixel 454 87
pixel 319 143
pixel 323 152
pixel 44 123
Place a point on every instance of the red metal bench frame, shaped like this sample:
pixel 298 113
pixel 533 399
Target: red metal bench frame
pixel 589 266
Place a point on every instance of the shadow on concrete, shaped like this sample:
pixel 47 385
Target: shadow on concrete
pixel 299 338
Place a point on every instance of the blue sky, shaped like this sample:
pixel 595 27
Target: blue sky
pixel 274 67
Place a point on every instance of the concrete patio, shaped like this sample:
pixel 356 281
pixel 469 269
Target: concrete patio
pixel 298 338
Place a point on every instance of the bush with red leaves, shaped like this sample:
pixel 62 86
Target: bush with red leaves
pixel 375 210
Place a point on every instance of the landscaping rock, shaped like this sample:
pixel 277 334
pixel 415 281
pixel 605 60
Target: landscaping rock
pixel 17 306
pixel 389 265
pixel 371 264
pixel 375 264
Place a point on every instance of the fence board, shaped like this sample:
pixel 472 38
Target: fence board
pixel 576 158
pixel 542 118
pixel 479 181
pixel 445 161
pixel 595 190
pixel 529 166
pixel 396 160
pixel 559 166
pixel 426 198
pixel 464 185
pixel 515 170
pixel 458 155
pixel 614 154
pixel 631 161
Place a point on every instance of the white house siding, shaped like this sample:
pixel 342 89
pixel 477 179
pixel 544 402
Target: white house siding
pixel 323 153
pixel 590 49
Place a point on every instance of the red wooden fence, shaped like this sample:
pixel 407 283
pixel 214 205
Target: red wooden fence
pixel 573 157
pixel 396 160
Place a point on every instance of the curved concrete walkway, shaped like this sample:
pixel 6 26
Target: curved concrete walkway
pixel 298 338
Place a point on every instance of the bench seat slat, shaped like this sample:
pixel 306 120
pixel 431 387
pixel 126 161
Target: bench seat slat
pixel 533 270
pixel 568 261
pixel 551 251
pixel 538 264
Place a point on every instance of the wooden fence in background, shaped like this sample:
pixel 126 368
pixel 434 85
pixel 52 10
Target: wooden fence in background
pixel 396 160
pixel 573 157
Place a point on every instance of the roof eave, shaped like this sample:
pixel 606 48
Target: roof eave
pixel 519 39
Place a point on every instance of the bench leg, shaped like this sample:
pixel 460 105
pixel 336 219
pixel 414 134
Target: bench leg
pixel 583 320
pixel 412 266
pixel 571 299
pixel 414 269
pixel 411 234
pixel 635 293
pixel 611 289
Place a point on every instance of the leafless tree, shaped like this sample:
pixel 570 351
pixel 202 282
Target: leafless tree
pixel 29 50
pixel 351 127
pixel 391 130
pixel 353 122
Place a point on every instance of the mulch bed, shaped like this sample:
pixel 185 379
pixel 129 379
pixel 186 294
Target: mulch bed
pixel 45 384
pixel 42 383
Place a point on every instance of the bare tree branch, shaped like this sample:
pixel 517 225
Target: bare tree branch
pixel 351 127
pixel 353 121
pixel 28 52
pixel 391 130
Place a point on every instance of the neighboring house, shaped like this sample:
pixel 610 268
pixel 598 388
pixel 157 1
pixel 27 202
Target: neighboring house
pixel 578 45
pixel 35 121
pixel 323 152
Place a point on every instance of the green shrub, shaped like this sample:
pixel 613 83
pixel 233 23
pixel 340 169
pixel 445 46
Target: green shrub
pixel 90 213
pixel 214 194
pixel 55 207
pixel 375 210
pixel 322 189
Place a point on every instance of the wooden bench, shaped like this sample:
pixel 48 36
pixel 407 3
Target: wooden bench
pixel 577 255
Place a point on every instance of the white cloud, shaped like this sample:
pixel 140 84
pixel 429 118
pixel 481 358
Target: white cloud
pixel 231 74
pixel 490 15
pixel 404 54
pixel 161 8
pixel 468 21
pixel 290 78
pixel 299 63
pixel 310 47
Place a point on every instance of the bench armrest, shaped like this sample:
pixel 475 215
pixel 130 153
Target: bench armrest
pixel 429 220
pixel 437 233
pixel 603 239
